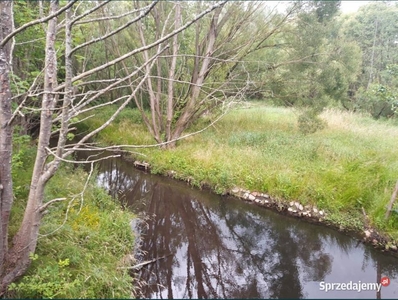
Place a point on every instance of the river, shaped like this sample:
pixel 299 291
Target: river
pixel 209 246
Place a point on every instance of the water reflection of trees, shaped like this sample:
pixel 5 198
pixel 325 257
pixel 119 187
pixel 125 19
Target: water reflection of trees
pixel 217 249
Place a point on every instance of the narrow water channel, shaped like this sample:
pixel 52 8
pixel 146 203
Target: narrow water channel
pixel 220 247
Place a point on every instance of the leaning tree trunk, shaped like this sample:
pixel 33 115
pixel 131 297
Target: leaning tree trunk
pixel 201 72
pixel 17 258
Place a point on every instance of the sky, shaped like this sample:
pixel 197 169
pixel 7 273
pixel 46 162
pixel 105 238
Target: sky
pixel 346 6
pixel 351 6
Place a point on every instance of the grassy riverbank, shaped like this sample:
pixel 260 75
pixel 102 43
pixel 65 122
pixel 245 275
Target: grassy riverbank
pixel 82 242
pixel 349 165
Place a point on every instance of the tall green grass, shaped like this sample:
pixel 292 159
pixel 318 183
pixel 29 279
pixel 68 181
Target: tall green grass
pixel 349 165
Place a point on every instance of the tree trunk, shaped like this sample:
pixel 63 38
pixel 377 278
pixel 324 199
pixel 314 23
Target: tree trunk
pixel 6 194
pixel 190 109
pixel 155 126
pixel 372 57
pixel 17 259
pixel 170 97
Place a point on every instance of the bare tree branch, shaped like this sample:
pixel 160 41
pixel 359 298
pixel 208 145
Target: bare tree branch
pixel 110 17
pixel 159 41
pixel 79 161
pixel 35 22
pixel 47 204
pixel 89 12
pixel 142 15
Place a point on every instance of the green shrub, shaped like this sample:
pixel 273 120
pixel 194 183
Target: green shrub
pixel 51 281
pixel 309 122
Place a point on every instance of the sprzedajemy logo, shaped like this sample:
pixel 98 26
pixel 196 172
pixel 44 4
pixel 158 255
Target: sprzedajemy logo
pixel 354 286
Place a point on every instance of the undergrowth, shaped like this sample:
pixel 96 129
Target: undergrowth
pixel 82 240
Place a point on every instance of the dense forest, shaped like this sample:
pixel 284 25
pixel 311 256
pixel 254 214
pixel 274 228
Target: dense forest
pixel 174 63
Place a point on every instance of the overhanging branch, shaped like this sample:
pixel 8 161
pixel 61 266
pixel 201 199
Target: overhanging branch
pixel 35 22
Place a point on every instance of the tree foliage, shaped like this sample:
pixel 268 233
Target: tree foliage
pixel 373 28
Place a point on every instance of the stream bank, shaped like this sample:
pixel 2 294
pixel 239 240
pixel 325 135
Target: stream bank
pixel 363 231
pixel 347 170
pixel 203 245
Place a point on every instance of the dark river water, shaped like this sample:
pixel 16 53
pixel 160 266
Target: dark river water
pixel 221 247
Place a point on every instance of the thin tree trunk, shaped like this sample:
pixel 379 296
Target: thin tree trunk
pixel 65 116
pixel 25 241
pixel 6 194
pixel 190 109
pixel 373 56
pixel 158 91
pixel 152 97
pixel 170 97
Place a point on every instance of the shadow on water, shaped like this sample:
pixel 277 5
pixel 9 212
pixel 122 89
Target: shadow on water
pixel 220 247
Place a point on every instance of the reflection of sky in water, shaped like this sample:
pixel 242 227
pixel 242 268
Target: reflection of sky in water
pixel 245 249
pixel 345 266
pixel 348 267
pixel 240 272
pixel 102 179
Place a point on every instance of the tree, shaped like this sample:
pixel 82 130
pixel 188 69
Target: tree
pixel 374 28
pixel 61 104
pixel 206 66
pixel 316 65
pixel 323 62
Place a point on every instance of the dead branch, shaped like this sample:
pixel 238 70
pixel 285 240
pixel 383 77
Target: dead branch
pixel 27 95
pixel 97 81
pixel 79 161
pixel 85 187
pixel 140 265
pixel 31 41
pixel 45 205
pixel 109 18
pixel 103 104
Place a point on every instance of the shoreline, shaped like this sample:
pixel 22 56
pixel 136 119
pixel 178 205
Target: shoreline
pixel 309 213
pixel 260 150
